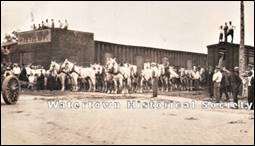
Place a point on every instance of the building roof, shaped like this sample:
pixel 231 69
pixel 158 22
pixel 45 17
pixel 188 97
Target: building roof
pixel 151 48
pixel 227 44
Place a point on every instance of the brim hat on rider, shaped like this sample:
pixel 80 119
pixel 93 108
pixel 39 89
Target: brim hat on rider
pixel 236 68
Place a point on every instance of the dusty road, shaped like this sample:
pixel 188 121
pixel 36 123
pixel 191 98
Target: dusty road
pixel 32 121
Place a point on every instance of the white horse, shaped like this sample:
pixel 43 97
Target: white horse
pixel 146 74
pixel 90 74
pixel 33 72
pixel 174 78
pixel 163 78
pixel 74 73
pixel 79 72
pixel 61 75
pixel 150 70
pixel 113 74
pixel 134 77
pixel 126 72
pixel 100 82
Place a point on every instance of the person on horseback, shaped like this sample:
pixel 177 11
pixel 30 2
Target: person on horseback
pixel 66 69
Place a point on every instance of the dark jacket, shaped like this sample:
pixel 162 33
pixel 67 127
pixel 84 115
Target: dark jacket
pixel 23 75
pixel 235 81
pixel 225 81
pixel 209 78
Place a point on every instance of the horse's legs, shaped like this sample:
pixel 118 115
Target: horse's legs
pixel 129 84
pixel 120 85
pixel 93 82
pixel 141 85
pixel 115 86
pixel 62 79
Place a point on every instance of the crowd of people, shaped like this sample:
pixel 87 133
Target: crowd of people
pixel 220 81
pixel 51 24
pixel 224 81
pixel 225 31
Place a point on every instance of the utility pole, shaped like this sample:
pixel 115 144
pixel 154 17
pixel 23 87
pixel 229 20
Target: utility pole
pixel 242 57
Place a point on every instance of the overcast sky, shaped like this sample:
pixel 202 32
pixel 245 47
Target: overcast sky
pixel 185 26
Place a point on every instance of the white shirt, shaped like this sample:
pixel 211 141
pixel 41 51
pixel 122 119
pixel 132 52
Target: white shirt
pixel 66 24
pixel 60 24
pixel 197 75
pixel 16 70
pixel 221 31
pixel 217 77
pixel 47 24
pixel 231 27
pixel 250 77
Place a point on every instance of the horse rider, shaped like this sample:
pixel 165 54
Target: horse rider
pixel 66 69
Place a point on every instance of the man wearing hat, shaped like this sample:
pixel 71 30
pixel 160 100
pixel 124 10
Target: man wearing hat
pixel 235 83
pixel 224 85
pixel 217 77
pixel 209 81
pixel 251 89
pixel 16 70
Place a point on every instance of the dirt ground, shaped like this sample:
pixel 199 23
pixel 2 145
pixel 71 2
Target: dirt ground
pixel 32 121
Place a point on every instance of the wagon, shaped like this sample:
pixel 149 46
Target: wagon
pixel 10 85
pixel 10 89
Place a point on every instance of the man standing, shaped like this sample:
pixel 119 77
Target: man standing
pixel 52 23
pixel 39 27
pixel 217 77
pixel 60 24
pixel 196 77
pixel 225 32
pixel 154 84
pixel 16 70
pixel 210 82
pixel 224 85
pixel 251 98
pixel 251 87
pixel 66 25
pixel 221 34
pixel 235 83
pixel 231 31
pixel 47 24
pixel 43 25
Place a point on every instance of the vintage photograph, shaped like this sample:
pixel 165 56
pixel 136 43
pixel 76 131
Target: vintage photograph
pixel 127 72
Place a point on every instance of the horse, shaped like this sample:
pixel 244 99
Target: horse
pixel 134 77
pixel 150 70
pixel 61 75
pixel 33 73
pixel 146 80
pixel 174 78
pixel 164 77
pixel 113 75
pixel 79 72
pixel 184 79
pixel 100 74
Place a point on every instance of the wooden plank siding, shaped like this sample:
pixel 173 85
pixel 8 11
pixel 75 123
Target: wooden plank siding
pixel 129 54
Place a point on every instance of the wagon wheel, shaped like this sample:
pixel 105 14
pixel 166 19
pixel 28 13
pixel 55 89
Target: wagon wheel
pixel 10 89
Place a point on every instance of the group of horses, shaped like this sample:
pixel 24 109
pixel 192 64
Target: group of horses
pixel 117 78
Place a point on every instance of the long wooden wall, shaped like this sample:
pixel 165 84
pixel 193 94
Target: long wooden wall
pixel 138 55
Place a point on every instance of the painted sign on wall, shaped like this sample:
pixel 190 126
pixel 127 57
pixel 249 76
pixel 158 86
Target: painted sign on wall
pixel 38 36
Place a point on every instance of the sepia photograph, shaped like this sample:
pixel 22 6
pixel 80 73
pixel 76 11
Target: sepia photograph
pixel 127 72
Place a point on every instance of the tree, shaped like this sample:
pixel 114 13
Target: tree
pixel 242 60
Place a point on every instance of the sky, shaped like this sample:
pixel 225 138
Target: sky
pixel 184 26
